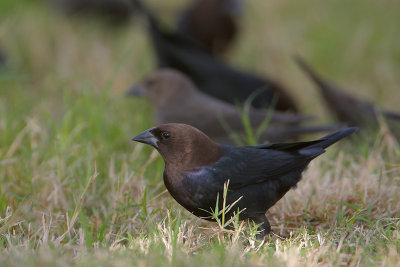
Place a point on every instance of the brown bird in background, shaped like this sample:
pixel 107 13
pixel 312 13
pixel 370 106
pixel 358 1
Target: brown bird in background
pixel 176 99
pixel 197 168
pixel 351 109
pixel 114 11
pixel 211 75
pixel 213 23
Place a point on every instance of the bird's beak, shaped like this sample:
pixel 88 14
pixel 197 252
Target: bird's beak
pixel 136 90
pixel 147 137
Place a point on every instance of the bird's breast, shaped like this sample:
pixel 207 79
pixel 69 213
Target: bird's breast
pixel 190 189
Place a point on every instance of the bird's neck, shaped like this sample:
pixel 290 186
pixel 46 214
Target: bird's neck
pixel 197 155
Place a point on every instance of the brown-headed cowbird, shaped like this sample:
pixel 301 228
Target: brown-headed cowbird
pixel 213 23
pixel 196 169
pixel 349 108
pixel 211 75
pixel 176 99
pixel 114 11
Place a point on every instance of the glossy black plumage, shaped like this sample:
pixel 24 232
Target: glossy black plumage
pixel 196 169
pixel 349 108
pixel 211 75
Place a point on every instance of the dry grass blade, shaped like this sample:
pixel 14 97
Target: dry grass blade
pixel 10 220
pixel 77 208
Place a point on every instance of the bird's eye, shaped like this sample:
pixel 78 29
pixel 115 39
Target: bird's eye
pixel 165 135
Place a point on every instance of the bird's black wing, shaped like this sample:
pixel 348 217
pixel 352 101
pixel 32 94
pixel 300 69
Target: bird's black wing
pixel 245 165
pixel 249 165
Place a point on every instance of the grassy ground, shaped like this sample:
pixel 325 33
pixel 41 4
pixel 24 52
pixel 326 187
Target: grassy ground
pixel 75 190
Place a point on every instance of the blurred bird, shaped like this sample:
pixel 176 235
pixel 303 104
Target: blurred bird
pixel 176 99
pixel 348 108
pixel 196 169
pixel 213 23
pixel 115 11
pixel 210 75
pixel 2 58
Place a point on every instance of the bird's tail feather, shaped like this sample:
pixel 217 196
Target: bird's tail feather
pixel 155 31
pixel 332 138
pixel 166 43
pixel 151 18
pixel 391 114
pixel 312 73
pixel 319 144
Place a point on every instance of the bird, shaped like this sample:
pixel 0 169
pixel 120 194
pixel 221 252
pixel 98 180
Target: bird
pixel 3 59
pixel 349 108
pixel 196 169
pixel 176 99
pixel 117 12
pixel 211 75
pixel 213 23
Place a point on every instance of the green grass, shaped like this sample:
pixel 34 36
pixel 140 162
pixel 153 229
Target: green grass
pixel 74 190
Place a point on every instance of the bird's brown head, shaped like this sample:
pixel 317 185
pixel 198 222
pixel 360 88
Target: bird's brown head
pixel 163 87
pixel 181 145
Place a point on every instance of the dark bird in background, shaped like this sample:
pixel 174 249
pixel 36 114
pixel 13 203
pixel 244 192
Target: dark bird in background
pixel 2 59
pixel 351 109
pixel 176 99
pixel 196 169
pixel 213 23
pixel 115 11
pixel 211 75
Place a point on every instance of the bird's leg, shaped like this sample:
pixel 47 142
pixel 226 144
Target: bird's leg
pixel 264 228
pixel 230 227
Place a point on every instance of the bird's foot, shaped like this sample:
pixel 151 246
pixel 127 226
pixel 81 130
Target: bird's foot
pixel 264 228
